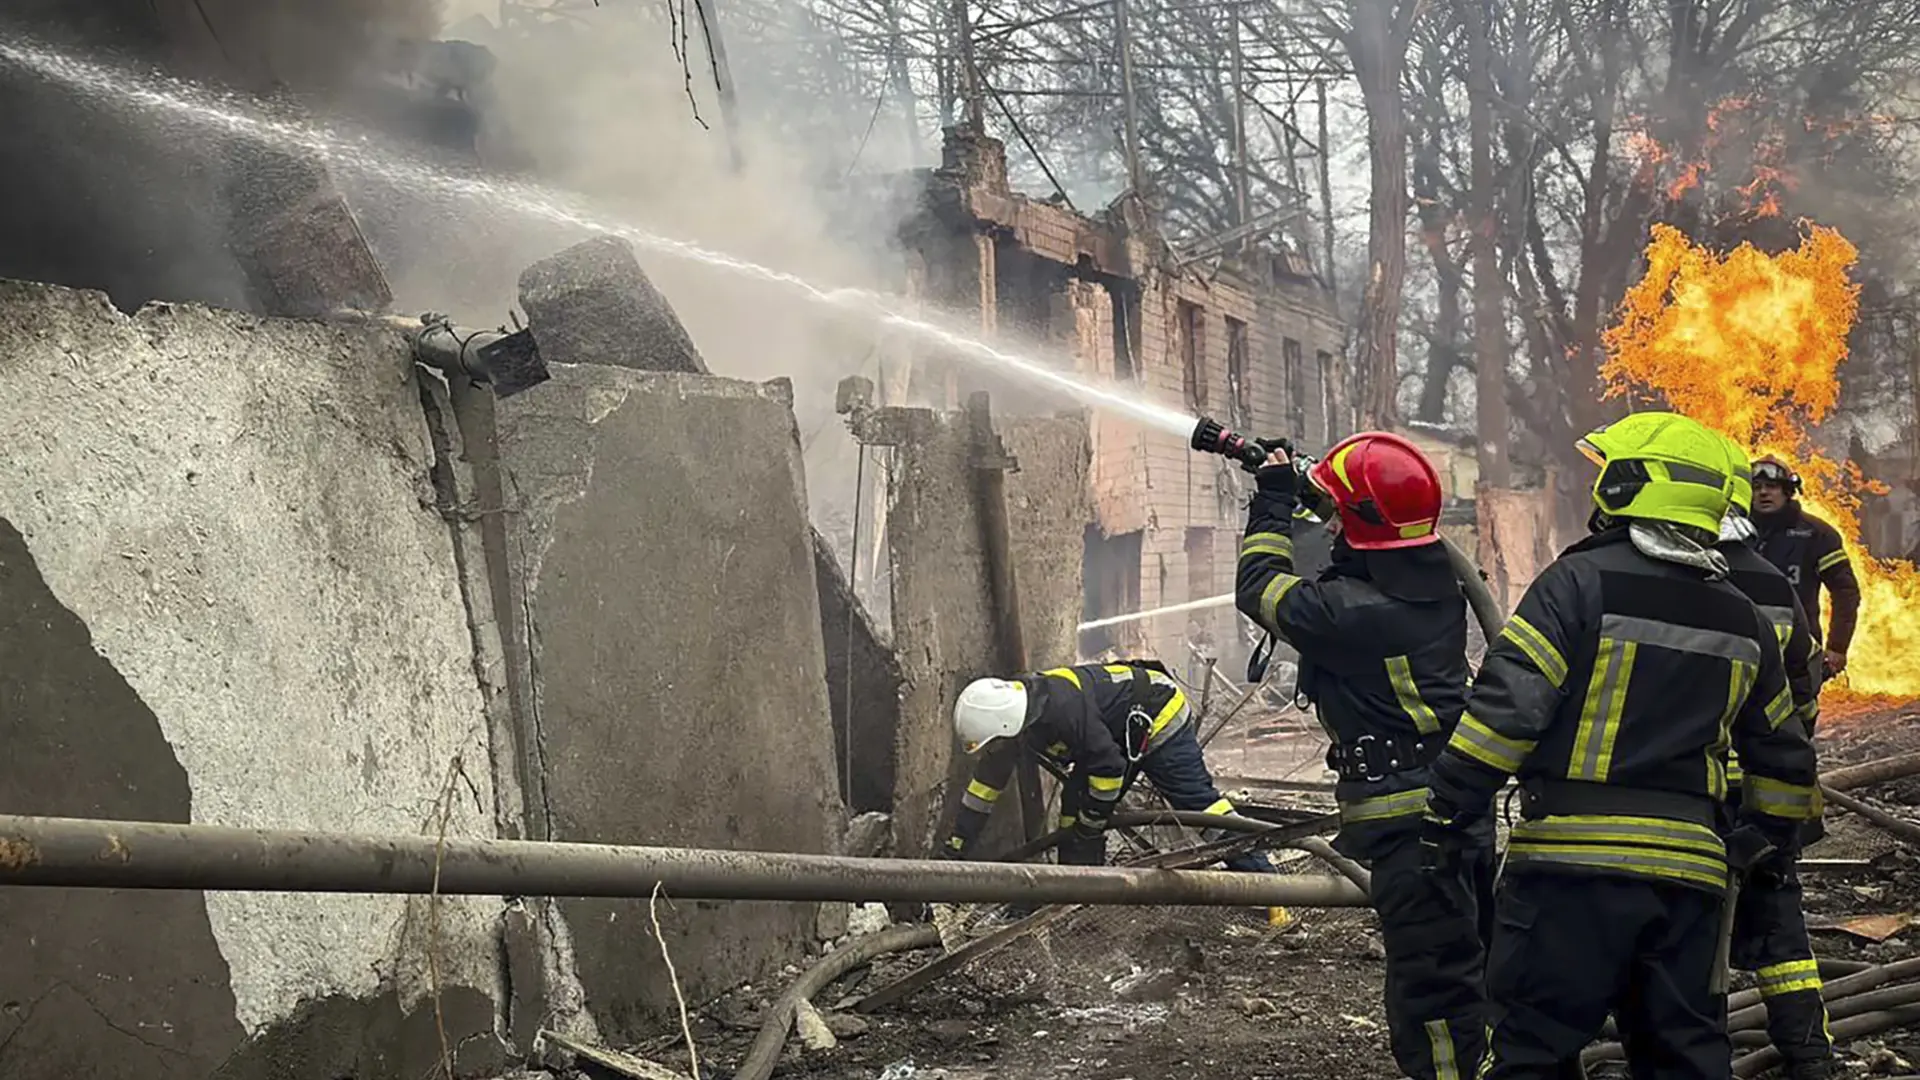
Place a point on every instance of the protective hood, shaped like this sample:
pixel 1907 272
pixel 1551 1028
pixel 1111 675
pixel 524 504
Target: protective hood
pixel 1737 529
pixel 1679 545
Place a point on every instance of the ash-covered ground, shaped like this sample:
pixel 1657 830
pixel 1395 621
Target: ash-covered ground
pixel 1210 994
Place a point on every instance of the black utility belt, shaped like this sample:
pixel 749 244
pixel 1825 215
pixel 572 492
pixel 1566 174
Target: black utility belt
pixel 1376 757
pixel 1565 798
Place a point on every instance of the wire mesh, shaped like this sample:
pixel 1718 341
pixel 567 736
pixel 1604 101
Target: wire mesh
pixel 1092 957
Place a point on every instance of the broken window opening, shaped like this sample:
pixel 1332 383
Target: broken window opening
pixel 1239 394
pixel 1110 583
pixel 1193 351
pixel 1293 361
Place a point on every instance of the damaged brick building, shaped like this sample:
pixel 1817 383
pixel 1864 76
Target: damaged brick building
pixel 1250 336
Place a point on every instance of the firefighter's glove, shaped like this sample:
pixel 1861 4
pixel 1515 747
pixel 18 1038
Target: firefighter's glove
pixel 1441 843
pixel 1277 479
pixel 1091 822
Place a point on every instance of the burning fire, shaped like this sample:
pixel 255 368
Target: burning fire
pixel 1749 343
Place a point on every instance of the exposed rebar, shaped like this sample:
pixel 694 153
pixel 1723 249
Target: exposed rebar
pixel 80 853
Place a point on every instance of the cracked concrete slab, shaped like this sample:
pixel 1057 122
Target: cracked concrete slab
pixel 680 693
pixel 238 516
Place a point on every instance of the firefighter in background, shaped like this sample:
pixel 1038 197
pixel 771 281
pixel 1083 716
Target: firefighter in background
pixel 1097 728
pixel 1382 639
pixel 1770 927
pixel 1610 695
pixel 1809 551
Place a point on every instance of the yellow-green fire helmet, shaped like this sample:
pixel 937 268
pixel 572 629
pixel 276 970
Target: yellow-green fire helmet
pixel 1741 465
pixel 1661 466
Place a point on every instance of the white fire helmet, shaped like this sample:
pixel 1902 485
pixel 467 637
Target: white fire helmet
pixel 989 709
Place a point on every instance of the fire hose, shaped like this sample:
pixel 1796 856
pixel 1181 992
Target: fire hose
pixel 1860 995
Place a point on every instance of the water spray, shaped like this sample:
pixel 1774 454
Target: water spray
pixel 366 156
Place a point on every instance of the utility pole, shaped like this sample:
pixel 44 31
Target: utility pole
pixel 970 71
pixel 1123 41
pixel 1240 180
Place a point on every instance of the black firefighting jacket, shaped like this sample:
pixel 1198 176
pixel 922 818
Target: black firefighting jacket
pixel 1383 657
pixel 1094 722
pixel 1809 551
pixel 1610 694
pixel 1773 594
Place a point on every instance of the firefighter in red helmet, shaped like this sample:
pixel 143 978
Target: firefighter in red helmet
pixel 1382 640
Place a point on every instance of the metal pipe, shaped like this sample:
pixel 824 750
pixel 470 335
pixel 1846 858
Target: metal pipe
pixel 1905 830
pixel 82 853
pixel 768 1043
pixel 1753 1064
pixel 1873 772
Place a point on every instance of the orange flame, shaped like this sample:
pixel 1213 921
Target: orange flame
pixel 1750 344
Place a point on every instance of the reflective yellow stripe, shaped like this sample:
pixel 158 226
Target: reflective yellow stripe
pixel 1795 802
pixel 1103 784
pixel 1384 807
pixel 1487 746
pixel 980 797
pixel 1066 673
pixel 1400 674
pixel 1440 1038
pixel 1790 977
pixel 1648 847
pixel 1665 834
pixel 1780 709
pixel 1592 757
pixel 1220 806
pixel 1067 820
pixel 1833 559
pixel 1276 591
pixel 1176 702
pixel 1528 639
pixel 1642 862
pixel 1723 765
pixel 1267 543
pixel 956 843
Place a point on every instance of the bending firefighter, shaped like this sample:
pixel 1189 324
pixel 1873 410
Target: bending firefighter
pixel 1809 551
pixel 1096 728
pixel 1770 927
pixel 1382 639
pixel 1610 696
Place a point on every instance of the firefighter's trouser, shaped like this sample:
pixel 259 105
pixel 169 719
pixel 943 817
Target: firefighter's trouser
pixel 1430 923
pixel 1178 770
pixel 1567 948
pixel 1770 940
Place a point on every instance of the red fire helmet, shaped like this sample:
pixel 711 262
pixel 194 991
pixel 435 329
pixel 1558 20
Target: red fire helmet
pixel 1385 489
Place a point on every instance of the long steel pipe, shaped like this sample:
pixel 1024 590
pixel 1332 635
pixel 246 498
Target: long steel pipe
pixel 74 852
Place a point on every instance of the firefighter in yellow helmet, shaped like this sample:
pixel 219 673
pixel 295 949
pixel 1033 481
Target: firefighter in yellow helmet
pixel 1610 695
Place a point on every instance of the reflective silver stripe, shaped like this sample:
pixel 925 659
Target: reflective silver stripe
pixel 1266 543
pixel 1446 1065
pixel 1275 592
pixel 1592 757
pixel 1621 829
pixel 1487 746
pixel 1780 709
pixel 1680 638
pixel 1674 866
pixel 1782 620
pixel 1400 674
pixel 976 803
pixel 1384 807
pixel 1795 802
pixel 1528 639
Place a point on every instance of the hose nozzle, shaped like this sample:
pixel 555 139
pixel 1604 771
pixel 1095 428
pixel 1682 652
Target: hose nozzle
pixel 1209 437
